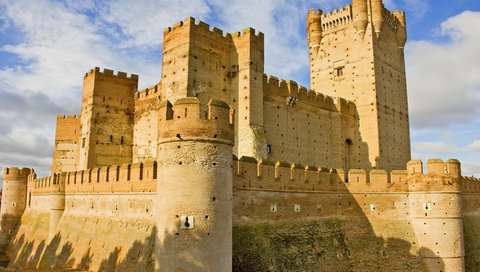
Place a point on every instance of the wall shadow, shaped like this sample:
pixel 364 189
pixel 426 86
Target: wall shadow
pixel 337 237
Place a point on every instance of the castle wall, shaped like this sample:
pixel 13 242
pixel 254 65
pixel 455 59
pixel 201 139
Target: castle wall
pixel 287 216
pixel 145 128
pixel 471 222
pixel 315 129
pixel 370 221
pixel 67 137
pixel 91 210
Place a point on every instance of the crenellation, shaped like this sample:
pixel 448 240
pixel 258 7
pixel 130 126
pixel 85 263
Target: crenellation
pixel 338 18
pixel 110 73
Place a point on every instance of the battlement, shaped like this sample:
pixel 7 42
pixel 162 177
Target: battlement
pixel 110 73
pixel 280 175
pixel 284 176
pixel 136 177
pixel 471 185
pixel 71 116
pixel 290 89
pixel 16 174
pixel 51 184
pixel 337 17
pixel 149 92
pixel 246 32
pixel 394 20
pixel 211 30
pixel 435 167
pixel 186 120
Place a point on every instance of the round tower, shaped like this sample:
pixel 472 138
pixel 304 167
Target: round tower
pixel 14 198
pixel 314 29
pixel 436 214
pixel 57 201
pixel 377 16
pixel 194 191
pixel 360 16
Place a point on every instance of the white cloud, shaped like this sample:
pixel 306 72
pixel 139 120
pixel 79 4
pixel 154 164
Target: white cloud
pixel 143 21
pixel 443 82
pixel 475 146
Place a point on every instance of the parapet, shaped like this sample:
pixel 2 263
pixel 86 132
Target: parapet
pixel 16 174
pixel 290 89
pixel 451 167
pixel 336 18
pixel 185 120
pixel 212 31
pixel 73 116
pixel 110 73
pixel 147 93
pixel 440 176
pixel 267 175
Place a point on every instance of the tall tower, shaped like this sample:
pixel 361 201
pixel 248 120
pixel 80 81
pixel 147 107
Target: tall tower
pixel 204 62
pixel 106 122
pixel 357 52
pixel 194 190
pixel 14 201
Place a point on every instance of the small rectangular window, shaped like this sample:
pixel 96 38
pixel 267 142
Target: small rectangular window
pixel 339 71
pixel 83 142
pixel 269 149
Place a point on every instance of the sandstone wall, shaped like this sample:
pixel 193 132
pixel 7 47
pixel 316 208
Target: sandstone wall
pixel 145 127
pixel 67 137
pixel 313 128
pixel 374 221
pixel 471 222
pixel 97 232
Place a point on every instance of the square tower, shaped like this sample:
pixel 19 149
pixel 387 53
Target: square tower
pixel 106 122
pixel 357 52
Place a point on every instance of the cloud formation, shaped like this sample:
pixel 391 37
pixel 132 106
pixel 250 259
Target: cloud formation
pixel 443 81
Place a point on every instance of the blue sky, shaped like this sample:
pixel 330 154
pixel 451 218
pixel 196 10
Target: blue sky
pixel 47 46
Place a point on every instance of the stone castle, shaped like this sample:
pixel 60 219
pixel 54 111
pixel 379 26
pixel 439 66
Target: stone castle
pixel 219 167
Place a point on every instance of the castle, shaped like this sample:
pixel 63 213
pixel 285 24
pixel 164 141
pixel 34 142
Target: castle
pixel 219 167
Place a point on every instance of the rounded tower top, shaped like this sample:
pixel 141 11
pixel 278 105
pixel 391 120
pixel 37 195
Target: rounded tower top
pixel 184 120
pixel 15 173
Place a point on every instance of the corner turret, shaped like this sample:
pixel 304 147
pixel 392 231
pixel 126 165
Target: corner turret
pixel 436 214
pixel 377 16
pixel 194 191
pixel 360 16
pixel 14 201
pixel 314 29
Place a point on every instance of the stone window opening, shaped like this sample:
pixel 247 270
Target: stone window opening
pixel 339 71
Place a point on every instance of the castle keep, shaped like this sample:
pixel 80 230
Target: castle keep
pixel 219 167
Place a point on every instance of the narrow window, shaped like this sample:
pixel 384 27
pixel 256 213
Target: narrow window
pixel 121 140
pixel 111 138
pixel 83 142
pixel 339 71
pixel 269 149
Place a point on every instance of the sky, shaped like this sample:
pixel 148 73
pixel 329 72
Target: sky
pixel 47 46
